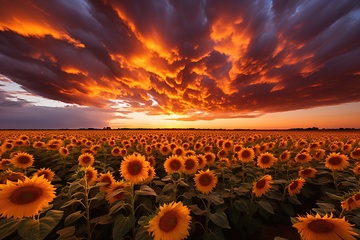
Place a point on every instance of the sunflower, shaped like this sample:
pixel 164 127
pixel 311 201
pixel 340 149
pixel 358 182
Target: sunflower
pixel 148 149
pixel 356 170
pixel 319 154
pixel 261 186
pixel 38 145
pixel 201 160
pixel 22 160
pixel 205 181
pixel 222 153
pixel 223 163
pixel 5 163
pixel 198 146
pixel 355 154
pixel 266 160
pixel 285 156
pixel 246 154
pixel 151 175
pixel 307 173
pixel 106 178
pixel 171 222
pixel 9 175
pixel 151 160
pixel 324 228
pixel 86 159
pixel 190 164
pixel 114 193
pixel 336 161
pixel 227 145
pixel 173 164
pixel 115 151
pixel 210 158
pixel 164 149
pixel 303 157
pixel 46 172
pixel 179 151
pixel 63 151
pixel 295 186
pixel 349 204
pixel 91 175
pixel 207 148
pixel 25 198
pixel 134 168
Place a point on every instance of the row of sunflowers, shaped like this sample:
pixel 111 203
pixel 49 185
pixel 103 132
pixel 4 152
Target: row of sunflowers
pixel 179 184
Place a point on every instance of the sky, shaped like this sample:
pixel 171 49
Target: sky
pixel 179 64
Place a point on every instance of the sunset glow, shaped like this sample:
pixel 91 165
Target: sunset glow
pixel 179 64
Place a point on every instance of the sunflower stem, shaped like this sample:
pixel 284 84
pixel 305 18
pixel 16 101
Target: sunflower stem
pixel 342 213
pixel 243 170
pixel 335 181
pixel 208 211
pixel 132 208
pixel 87 208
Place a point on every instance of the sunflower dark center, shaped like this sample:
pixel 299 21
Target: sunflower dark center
pixel 25 195
pixel 265 159
pixel 245 154
pixel 294 185
pixel 227 145
pixel 178 152
pixel 335 160
pixel 86 159
pixel 261 184
pixel 356 152
pixel 189 164
pixel 168 221
pixel 23 159
pixel 175 165
pixel 134 168
pixel 321 226
pixel 302 157
pixel 116 150
pixel 307 171
pixel 205 179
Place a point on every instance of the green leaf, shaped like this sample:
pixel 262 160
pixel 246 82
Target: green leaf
pixel 144 220
pixel 220 219
pixel 289 209
pixel 98 196
pixel 70 202
pixel 168 187
pixel 49 222
pixel 142 233
pixel 122 225
pixel 8 226
pixel 335 197
pixel 293 200
pixel 217 199
pixel 118 205
pixel 67 233
pixel 145 190
pixel 73 217
pixel 196 210
pixel 242 206
pixel 104 219
pixel 29 229
pixel 266 206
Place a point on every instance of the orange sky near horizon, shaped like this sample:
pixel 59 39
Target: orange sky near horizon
pixel 207 64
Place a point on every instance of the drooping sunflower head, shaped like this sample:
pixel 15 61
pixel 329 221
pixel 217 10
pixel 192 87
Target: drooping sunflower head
pixel 151 174
pixel 22 160
pixel 173 164
pixel 9 175
pixel 117 191
pixel 86 159
pixel 295 186
pixel 246 154
pixel 134 168
pixel 307 173
pixel 355 154
pixel 201 160
pixel 171 222
pixel 106 178
pixel 262 185
pixel 46 172
pixel 316 227
pixel 336 161
pixel 25 198
pixel 349 204
pixel 205 181
pixel 4 163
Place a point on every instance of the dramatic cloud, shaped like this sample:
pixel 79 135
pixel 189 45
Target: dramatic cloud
pixel 203 59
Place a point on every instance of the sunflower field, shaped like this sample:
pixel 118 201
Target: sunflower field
pixel 179 184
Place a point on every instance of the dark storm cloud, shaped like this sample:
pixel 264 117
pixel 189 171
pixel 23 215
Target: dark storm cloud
pixel 198 58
